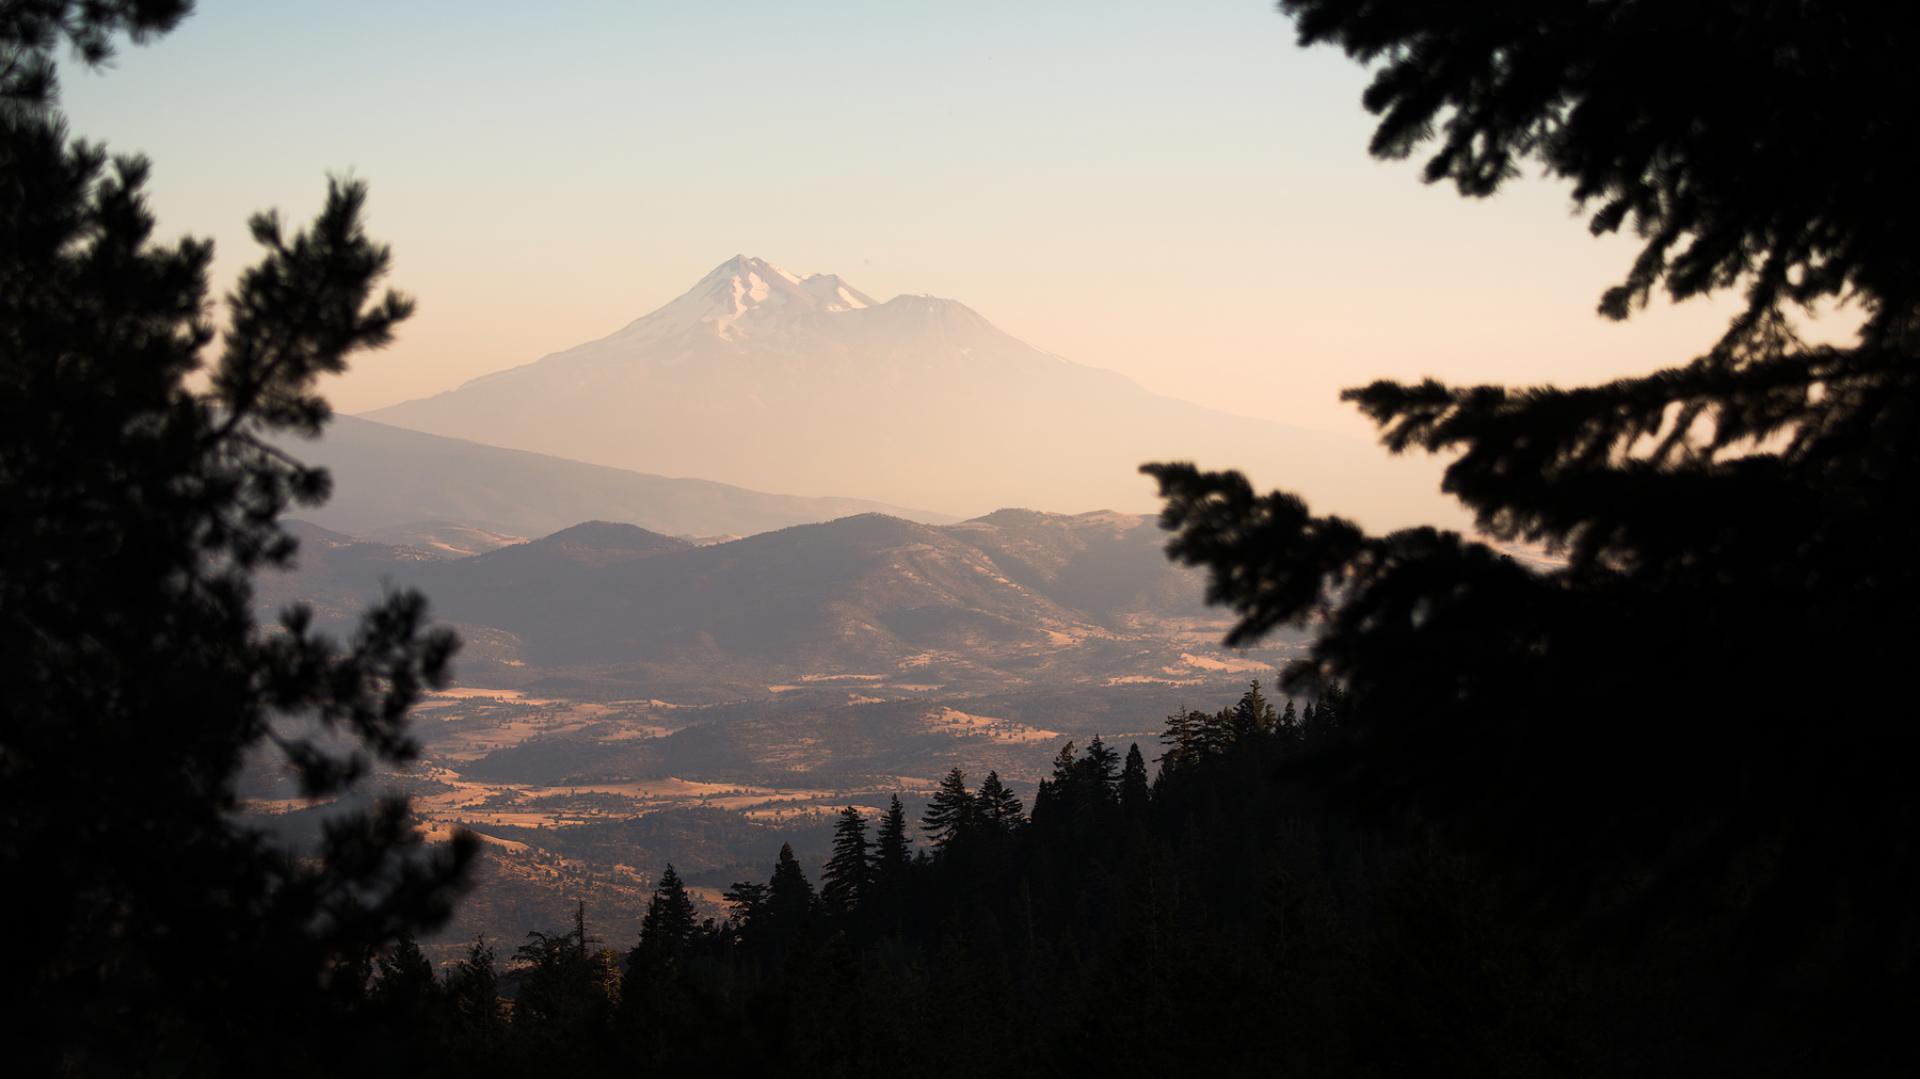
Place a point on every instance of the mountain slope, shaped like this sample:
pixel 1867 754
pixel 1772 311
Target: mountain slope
pixel 400 482
pixel 998 600
pixel 761 378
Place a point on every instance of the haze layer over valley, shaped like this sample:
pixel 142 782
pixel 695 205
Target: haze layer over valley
pixel 389 482
pixel 808 386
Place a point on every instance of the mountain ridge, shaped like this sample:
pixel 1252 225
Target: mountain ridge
pixel 998 600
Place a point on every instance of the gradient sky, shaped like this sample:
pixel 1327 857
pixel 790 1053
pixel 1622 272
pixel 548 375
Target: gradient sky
pixel 1172 190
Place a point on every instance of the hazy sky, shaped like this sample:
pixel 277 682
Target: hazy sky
pixel 1172 190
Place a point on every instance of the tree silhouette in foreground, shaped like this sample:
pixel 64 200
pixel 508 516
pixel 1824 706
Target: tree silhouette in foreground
pixel 893 849
pixel 1682 737
pixel 669 922
pixel 156 931
pixel 951 810
pixel 847 878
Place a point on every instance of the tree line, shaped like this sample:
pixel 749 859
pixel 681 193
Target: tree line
pixel 1229 910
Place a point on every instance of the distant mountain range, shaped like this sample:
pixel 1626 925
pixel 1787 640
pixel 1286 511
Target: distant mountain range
pixel 773 381
pixel 419 489
pixel 861 604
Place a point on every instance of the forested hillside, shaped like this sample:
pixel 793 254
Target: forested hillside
pixel 1207 904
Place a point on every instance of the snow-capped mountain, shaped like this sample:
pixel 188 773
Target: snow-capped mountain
pixel 744 297
pixel 806 385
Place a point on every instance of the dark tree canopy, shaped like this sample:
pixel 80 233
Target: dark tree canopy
pixel 1749 144
pixel 1133 782
pixel 1233 922
pixel 997 806
pixel 893 849
pixel 669 921
pixel 1689 716
pixel 31 31
pixel 951 811
pixel 847 878
pixel 790 900
pixel 137 507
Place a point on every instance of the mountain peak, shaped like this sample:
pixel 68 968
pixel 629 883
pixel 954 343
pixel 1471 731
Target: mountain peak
pixel 744 265
pixel 612 536
pixel 590 543
pixel 746 295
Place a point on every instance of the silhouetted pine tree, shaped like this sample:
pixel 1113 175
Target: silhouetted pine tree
pixel 951 811
pixel 846 879
pixel 1177 741
pixel 892 853
pixel 1322 718
pixel 1133 783
pixel 652 1013
pixel 668 925
pixel 473 988
pixel 790 900
pixel 748 901
pixel 997 806
pixel 562 1014
pixel 1095 782
pixel 1253 715
pixel 404 982
pixel 142 491
pixel 1099 768
pixel 1053 800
